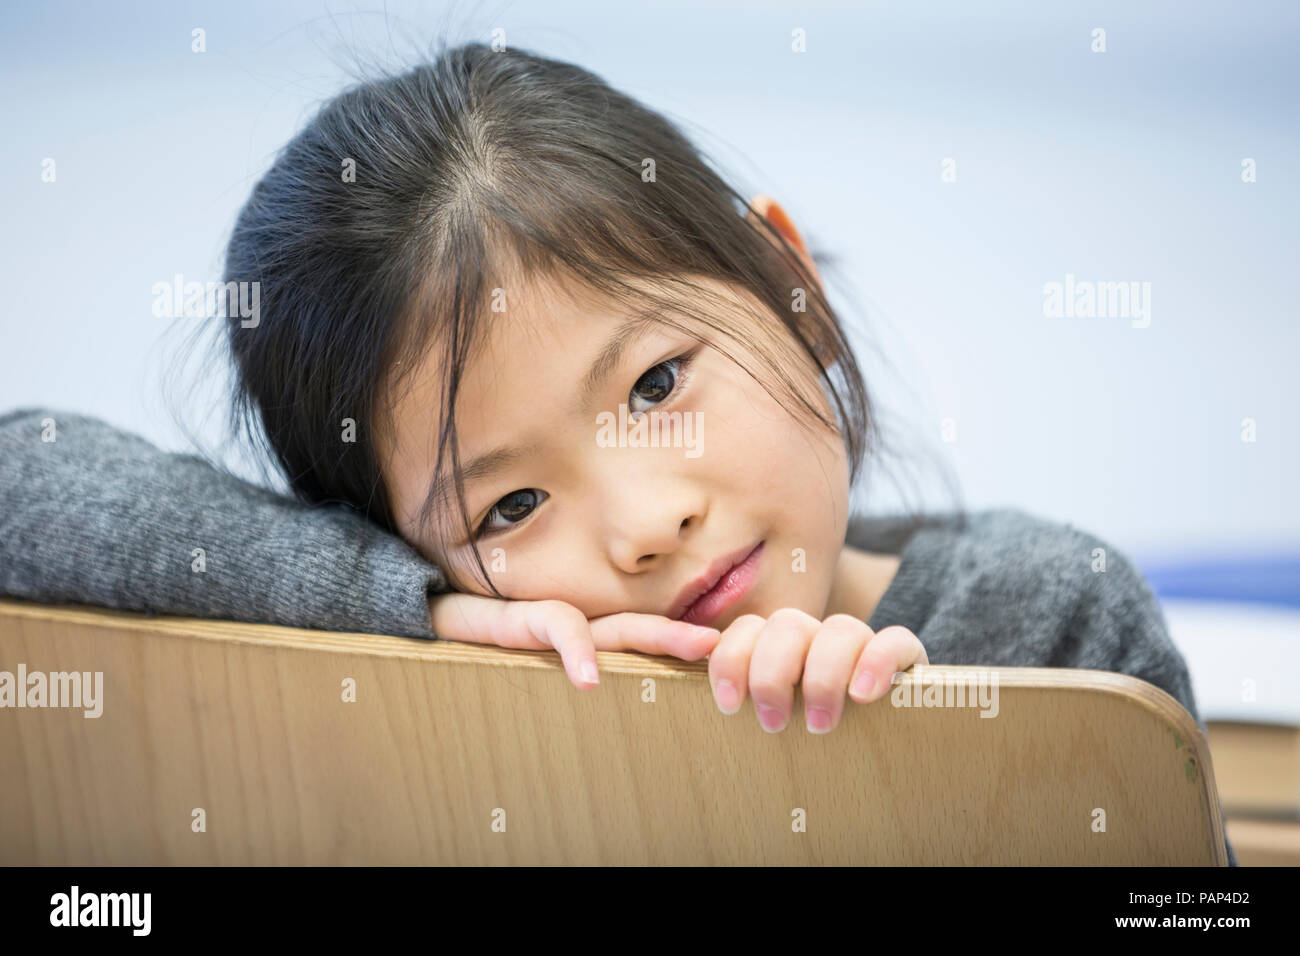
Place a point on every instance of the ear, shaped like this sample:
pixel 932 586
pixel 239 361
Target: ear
pixel 767 207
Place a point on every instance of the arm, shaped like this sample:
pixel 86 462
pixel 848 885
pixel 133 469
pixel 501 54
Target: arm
pixel 1120 627
pixel 100 516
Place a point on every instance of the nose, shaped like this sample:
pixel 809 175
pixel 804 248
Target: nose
pixel 649 520
pixel 638 552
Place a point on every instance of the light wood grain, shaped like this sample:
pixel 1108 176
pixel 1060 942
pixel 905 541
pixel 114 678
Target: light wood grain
pixel 247 722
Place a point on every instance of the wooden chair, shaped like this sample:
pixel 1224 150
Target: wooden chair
pixel 228 743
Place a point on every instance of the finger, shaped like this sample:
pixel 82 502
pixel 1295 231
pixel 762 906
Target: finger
pixel 524 625
pixel 729 661
pixel 653 634
pixel 476 620
pixel 777 664
pixel 566 629
pixel 893 649
pixel 836 648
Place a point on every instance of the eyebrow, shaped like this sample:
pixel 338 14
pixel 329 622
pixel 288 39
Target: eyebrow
pixel 631 330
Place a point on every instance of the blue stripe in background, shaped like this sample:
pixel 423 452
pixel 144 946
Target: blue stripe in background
pixel 1260 579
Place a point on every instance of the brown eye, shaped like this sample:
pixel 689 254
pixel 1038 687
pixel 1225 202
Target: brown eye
pixel 512 509
pixel 514 506
pixel 657 384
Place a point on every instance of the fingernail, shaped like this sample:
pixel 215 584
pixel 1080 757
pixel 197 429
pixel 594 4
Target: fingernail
pixel 771 719
pixel 728 697
pixel 588 671
pixel 819 720
pixel 863 685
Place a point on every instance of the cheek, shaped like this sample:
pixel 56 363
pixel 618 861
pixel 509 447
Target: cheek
pixel 754 432
pixel 799 472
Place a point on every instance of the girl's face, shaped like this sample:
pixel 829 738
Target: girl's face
pixel 578 512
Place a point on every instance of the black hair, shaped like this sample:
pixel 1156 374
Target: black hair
pixel 475 165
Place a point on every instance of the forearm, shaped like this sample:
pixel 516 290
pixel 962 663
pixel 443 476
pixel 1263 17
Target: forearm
pixel 92 514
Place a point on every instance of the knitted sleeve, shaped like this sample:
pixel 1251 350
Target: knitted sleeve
pixel 90 514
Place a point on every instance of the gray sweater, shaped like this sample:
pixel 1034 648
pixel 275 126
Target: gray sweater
pixel 101 516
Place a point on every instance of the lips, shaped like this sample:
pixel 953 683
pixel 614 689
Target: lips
pixel 705 582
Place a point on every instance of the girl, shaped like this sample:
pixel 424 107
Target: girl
pixel 483 285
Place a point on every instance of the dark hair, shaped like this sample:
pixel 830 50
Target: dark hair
pixel 469 166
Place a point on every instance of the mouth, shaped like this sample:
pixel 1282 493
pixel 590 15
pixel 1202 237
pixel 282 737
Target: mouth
pixel 727 581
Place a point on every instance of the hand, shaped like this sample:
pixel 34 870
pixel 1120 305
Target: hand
pixel 767 656
pixel 555 625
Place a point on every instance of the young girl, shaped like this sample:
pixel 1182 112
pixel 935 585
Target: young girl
pixel 484 284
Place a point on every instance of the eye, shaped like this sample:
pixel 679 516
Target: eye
pixel 513 508
pixel 656 385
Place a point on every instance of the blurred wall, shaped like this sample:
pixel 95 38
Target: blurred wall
pixel 1123 165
